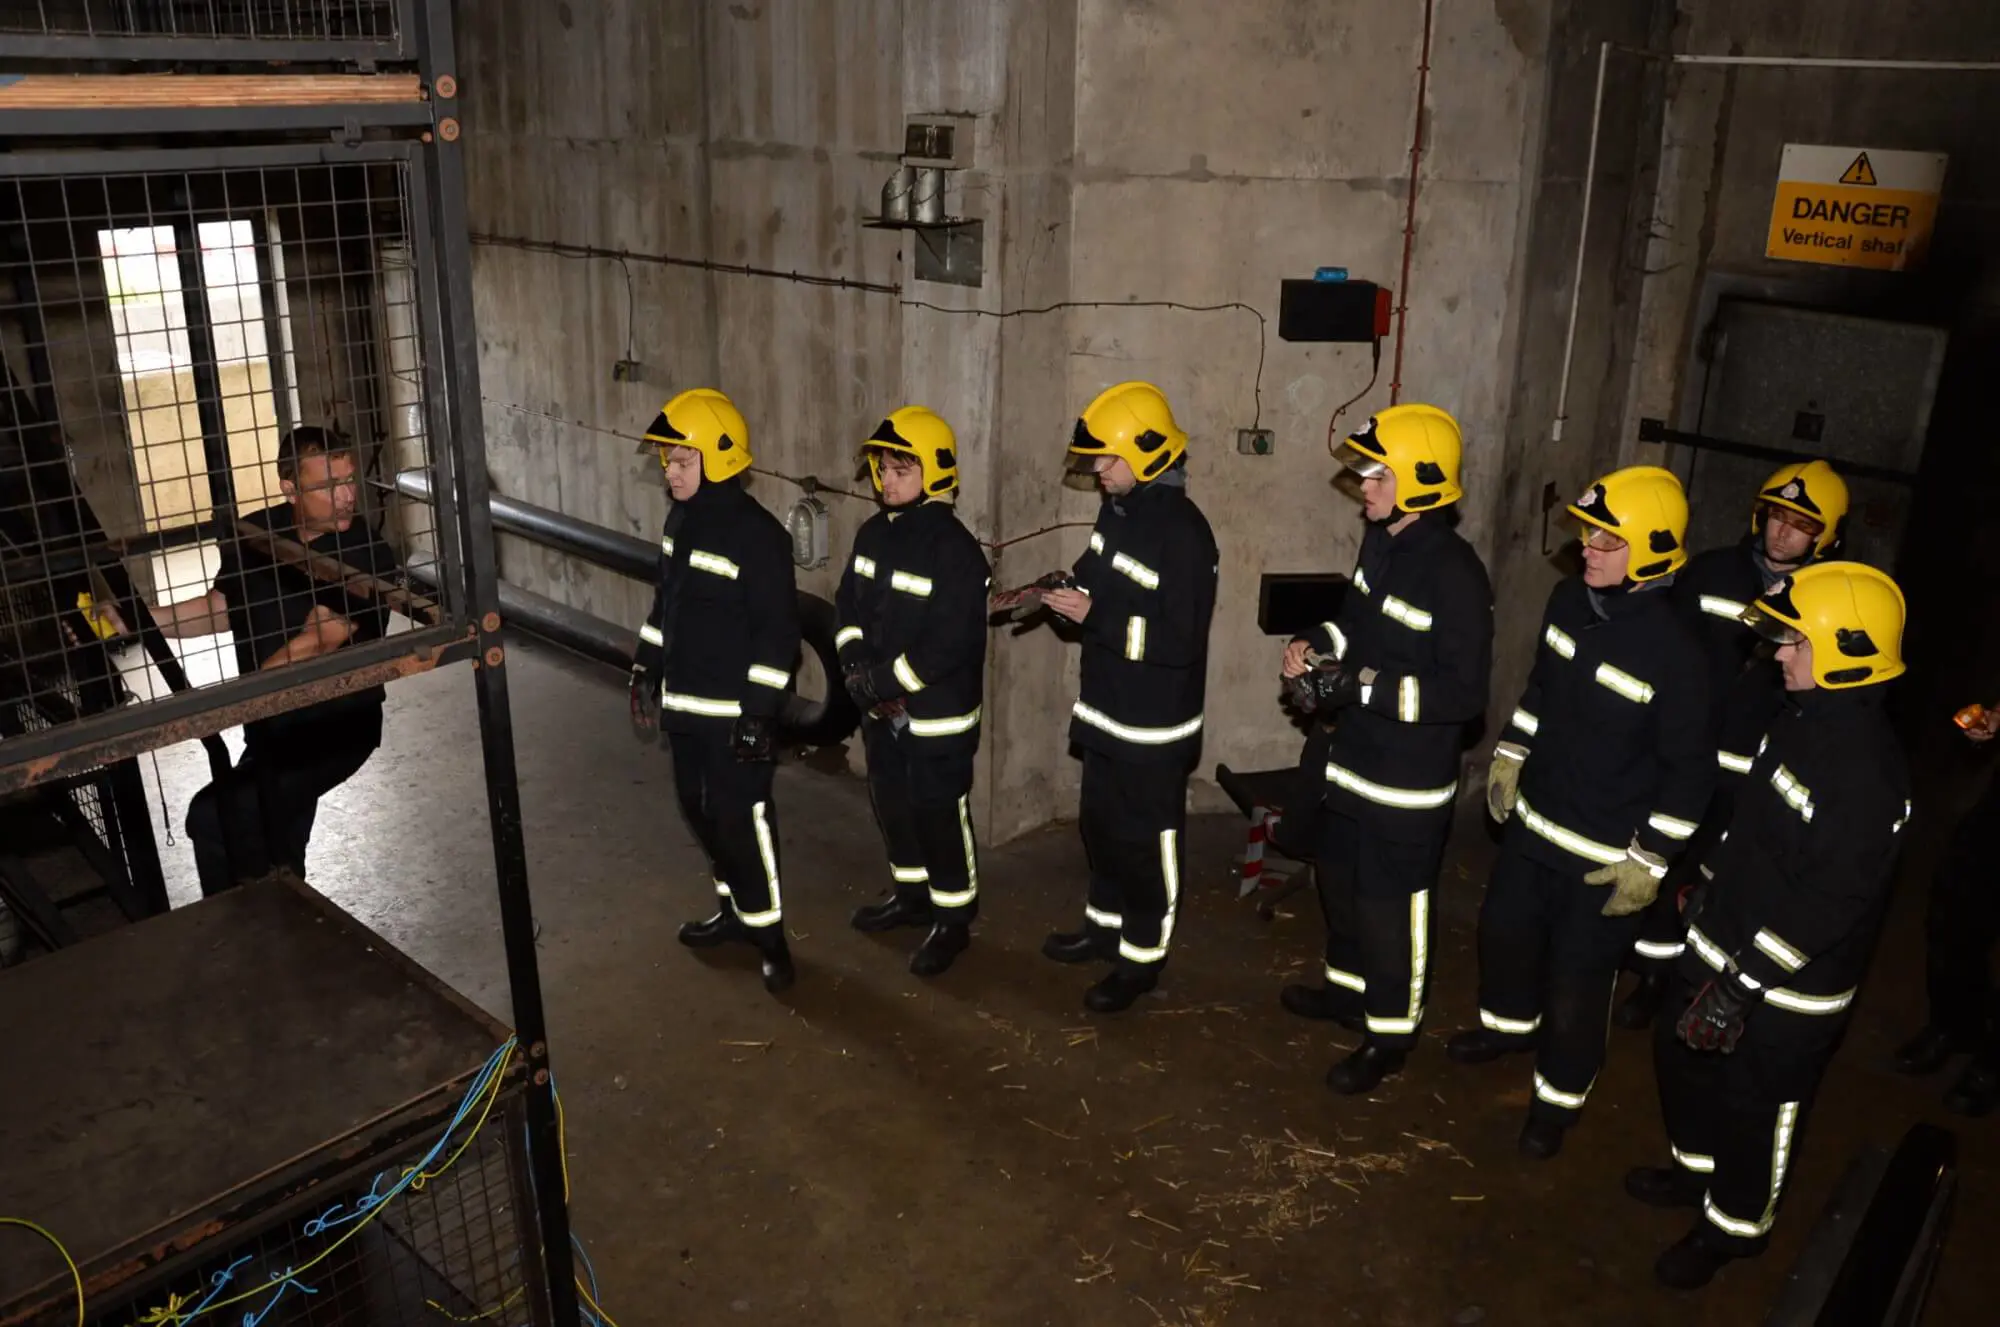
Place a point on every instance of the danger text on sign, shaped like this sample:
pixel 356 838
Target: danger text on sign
pixel 1854 207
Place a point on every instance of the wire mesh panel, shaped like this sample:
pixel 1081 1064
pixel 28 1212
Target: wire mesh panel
pixel 193 22
pixel 453 1250
pixel 208 381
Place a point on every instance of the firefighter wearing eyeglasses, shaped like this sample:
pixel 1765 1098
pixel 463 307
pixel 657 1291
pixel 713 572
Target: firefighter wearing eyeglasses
pixel 1601 776
pixel 1399 673
pixel 1780 937
pixel 911 634
pixel 715 658
pixel 1144 593
pixel 1798 518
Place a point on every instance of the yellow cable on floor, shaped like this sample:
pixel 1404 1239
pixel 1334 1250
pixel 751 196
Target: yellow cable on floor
pixel 75 1274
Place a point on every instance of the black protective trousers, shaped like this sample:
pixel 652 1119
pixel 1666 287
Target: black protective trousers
pixel 1548 961
pixel 1662 927
pixel 260 815
pixel 923 807
pixel 1962 926
pixel 1132 815
pixel 1376 897
pixel 1736 1119
pixel 728 805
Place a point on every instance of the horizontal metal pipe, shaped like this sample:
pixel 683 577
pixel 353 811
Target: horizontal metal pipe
pixel 572 628
pixel 1835 62
pixel 628 555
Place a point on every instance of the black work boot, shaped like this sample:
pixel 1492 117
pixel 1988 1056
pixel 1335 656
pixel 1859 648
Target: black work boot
pixel 1483 1045
pixel 720 929
pixel 896 910
pixel 1928 1051
pixel 946 942
pixel 1365 1068
pixel 1085 946
pixel 1638 1009
pixel 1692 1261
pixel 1321 1002
pixel 777 956
pixel 1665 1186
pixel 1977 1090
pixel 1541 1139
pixel 1118 990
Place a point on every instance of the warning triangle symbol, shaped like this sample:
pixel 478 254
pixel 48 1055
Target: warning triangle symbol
pixel 1860 172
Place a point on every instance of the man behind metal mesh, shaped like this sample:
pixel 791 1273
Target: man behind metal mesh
pixel 261 816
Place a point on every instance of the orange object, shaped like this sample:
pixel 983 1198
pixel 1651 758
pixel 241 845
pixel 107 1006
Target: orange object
pixel 1970 717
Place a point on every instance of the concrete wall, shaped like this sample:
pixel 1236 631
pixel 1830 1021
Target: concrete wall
pixel 1176 150
pixel 745 133
pixel 1210 169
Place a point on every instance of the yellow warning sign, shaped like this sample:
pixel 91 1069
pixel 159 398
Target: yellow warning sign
pixel 1855 207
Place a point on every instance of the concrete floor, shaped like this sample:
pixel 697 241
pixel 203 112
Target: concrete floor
pixel 873 1149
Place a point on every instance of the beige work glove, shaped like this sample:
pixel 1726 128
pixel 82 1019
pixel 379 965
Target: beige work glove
pixel 1503 780
pixel 1635 882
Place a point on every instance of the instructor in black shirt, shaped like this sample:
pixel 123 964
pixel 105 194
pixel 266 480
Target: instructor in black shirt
pixel 261 815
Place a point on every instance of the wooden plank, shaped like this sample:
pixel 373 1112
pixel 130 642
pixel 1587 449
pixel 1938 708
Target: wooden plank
pixel 157 91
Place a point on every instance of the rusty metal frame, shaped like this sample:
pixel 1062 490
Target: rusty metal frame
pixel 133 730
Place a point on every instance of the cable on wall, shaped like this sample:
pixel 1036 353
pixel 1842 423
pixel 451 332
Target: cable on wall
pixel 1263 325
pixel 564 250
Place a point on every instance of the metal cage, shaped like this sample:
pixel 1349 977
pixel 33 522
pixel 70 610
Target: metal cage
pixel 208 30
pixel 257 226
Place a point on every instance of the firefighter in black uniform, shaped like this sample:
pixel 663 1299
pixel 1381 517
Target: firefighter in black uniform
pixel 715 659
pixel 1401 671
pixel 912 639
pixel 1959 933
pixel 1797 518
pixel 1601 776
pixel 1780 937
pixel 1145 592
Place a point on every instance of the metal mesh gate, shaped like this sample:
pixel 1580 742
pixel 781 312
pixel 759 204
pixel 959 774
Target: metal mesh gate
pixel 235 304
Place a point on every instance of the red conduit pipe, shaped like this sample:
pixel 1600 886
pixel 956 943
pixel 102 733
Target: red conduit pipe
pixel 1410 216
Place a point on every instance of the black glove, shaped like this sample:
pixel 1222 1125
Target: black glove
pixel 1333 687
pixel 861 686
pixel 1714 1022
pixel 751 738
pixel 644 700
pixel 1298 693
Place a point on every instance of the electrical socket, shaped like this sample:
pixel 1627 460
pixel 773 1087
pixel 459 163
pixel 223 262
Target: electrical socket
pixel 1255 442
pixel 627 370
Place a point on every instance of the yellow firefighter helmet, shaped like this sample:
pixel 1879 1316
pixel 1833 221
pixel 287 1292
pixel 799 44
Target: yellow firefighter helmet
pixel 921 432
pixel 1813 489
pixel 1851 614
pixel 1132 421
pixel 1420 444
pixel 1647 508
pixel 709 422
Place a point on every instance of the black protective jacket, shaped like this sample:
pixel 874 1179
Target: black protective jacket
pixel 1801 878
pixel 1746 688
pixel 1419 613
pixel 1618 729
pixel 723 635
pixel 912 609
pixel 1150 571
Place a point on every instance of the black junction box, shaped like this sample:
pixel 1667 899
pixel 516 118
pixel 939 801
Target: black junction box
pixel 1291 604
pixel 1333 311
